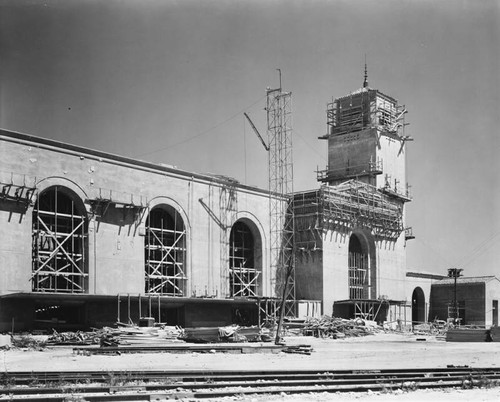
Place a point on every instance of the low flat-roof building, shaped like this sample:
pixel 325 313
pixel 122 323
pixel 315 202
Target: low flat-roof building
pixel 476 297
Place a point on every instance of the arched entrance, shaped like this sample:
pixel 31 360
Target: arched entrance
pixel 418 306
pixel 245 261
pixel 59 248
pixel 362 272
pixel 165 250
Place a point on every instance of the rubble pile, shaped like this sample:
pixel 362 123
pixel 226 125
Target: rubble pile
pixel 333 327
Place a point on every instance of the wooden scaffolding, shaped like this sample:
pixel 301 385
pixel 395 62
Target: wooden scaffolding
pixel 59 244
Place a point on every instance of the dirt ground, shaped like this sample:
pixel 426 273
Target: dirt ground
pixel 380 351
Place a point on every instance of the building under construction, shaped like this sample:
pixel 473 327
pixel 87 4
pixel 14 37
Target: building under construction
pixel 89 238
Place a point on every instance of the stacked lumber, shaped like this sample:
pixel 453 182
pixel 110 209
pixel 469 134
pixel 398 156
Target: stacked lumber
pixel 201 335
pixel 121 335
pixel 299 349
pixel 134 335
pixel 333 327
pixel 467 335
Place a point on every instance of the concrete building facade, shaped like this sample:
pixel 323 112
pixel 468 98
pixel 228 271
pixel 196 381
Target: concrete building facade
pixel 88 237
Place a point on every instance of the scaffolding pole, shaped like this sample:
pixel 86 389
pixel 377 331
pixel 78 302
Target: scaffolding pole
pixel 228 205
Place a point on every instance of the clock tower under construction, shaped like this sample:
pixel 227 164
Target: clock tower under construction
pixel 350 232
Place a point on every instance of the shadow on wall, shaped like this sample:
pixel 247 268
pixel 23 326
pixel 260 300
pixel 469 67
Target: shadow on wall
pixel 13 209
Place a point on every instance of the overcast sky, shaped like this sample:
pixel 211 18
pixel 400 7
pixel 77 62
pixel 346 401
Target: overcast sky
pixel 168 81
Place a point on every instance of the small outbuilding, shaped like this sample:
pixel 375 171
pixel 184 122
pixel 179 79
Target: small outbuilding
pixel 477 299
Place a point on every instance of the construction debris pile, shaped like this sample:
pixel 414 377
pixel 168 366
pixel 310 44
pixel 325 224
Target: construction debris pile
pixel 333 327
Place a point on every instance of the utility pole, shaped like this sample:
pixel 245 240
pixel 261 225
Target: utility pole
pixel 455 273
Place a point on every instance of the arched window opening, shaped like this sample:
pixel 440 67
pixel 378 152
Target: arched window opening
pixel 244 275
pixel 59 243
pixel 165 250
pixel 359 278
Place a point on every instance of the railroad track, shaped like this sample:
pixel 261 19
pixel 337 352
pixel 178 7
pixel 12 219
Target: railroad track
pixel 161 385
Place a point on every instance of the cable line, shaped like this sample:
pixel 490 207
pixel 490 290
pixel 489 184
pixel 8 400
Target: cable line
pixel 202 133
pixel 480 248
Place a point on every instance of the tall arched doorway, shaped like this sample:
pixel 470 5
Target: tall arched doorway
pixel 418 306
pixel 245 261
pixel 362 273
pixel 165 252
pixel 59 248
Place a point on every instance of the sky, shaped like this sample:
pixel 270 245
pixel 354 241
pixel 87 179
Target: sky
pixel 168 82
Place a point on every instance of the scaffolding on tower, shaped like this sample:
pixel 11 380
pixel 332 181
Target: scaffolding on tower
pixel 279 130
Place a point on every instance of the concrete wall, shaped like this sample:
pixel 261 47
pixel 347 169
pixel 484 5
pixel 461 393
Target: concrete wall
pixel 355 150
pixel 335 269
pixel 391 268
pixel 309 275
pixel 116 241
pixel 390 261
pixel 393 162
pixel 15 256
pixel 359 148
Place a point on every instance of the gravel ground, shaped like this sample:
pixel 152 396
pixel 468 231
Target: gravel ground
pixel 444 395
pixel 380 351
pixel 383 350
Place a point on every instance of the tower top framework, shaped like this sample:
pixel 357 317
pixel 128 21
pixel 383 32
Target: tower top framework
pixel 367 141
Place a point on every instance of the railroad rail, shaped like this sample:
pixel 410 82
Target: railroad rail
pixel 200 384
